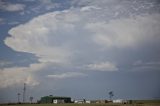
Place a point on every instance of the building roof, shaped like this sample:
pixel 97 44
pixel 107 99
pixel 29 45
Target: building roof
pixel 56 97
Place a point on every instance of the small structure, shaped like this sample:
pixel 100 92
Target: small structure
pixel 99 101
pixel 55 99
pixel 120 101
pixel 88 101
pixel 80 101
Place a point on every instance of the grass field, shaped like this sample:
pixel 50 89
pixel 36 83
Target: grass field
pixel 106 104
pixel 134 103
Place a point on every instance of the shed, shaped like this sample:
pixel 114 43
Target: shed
pixel 55 99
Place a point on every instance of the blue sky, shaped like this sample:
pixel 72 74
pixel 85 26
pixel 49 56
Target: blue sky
pixel 80 48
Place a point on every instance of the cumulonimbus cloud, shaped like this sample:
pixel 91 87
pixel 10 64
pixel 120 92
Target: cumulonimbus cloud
pixel 51 36
pixel 57 36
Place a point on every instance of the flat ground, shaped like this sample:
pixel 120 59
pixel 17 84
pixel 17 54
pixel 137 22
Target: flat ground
pixel 107 104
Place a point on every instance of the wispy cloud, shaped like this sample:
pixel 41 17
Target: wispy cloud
pixel 146 65
pixel 104 66
pixel 44 5
pixel 4 63
pixel 11 7
pixel 2 21
pixel 89 8
pixel 13 23
pixel 67 75
pixel 140 63
pixel 49 4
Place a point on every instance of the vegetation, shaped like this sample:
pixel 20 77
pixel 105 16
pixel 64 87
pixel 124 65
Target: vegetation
pixel 134 103
pixel 107 104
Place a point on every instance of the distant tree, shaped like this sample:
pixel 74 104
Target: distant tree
pixel 111 94
pixel 31 99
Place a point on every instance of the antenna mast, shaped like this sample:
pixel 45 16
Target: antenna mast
pixel 18 97
pixel 24 92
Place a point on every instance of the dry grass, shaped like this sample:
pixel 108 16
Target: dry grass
pixel 107 104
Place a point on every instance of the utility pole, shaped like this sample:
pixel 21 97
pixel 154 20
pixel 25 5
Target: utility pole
pixel 31 99
pixel 18 97
pixel 24 92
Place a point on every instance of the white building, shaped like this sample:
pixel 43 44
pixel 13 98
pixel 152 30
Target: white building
pixel 120 101
pixel 79 101
pixel 57 101
pixel 87 101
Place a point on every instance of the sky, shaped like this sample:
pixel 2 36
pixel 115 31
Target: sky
pixel 80 48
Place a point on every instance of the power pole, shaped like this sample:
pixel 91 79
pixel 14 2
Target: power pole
pixel 24 92
pixel 18 97
pixel 31 99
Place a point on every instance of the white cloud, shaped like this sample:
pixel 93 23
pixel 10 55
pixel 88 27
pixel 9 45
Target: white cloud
pixel 44 5
pixel 89 8
pixel 6 6
pixel 13 23
pixel 29 0
pixel 40 37
pixel 54 36
pixel 47 4
pixel 126 32
pixel 92 2
pixel 4 63
pixel 58 36
pixel 14 7
pixel 19 75
pixel 104 66
pixel 150 63
pixel 146 65
pixel 138 62
pixel 67 75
